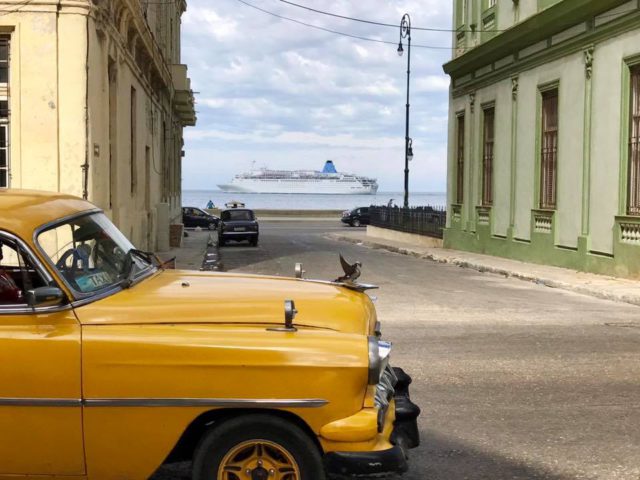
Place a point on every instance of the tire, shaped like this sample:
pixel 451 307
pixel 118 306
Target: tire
pixel 355 223
pixel 253 242
pixel 221 242
pixel 247 436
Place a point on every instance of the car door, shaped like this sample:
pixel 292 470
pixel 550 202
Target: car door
pixel 187 217
pixel 40 376
pixel 201 217
pixel 364 215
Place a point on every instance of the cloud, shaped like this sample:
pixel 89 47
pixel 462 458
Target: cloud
pixel 288 96
pixel 300 139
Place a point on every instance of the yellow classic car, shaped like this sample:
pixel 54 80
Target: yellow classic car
pixel 111 366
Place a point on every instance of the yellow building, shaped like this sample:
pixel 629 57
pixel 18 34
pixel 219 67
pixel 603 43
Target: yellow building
pixel 93 102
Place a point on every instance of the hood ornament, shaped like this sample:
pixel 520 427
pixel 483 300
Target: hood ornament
pixel 351 274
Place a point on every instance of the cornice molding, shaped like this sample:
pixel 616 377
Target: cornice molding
pixel 577 44
pixel 534 29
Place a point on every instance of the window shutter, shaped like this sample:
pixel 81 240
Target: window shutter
pixel 549 153
pixel 460 161
pixel 487 157
pixel 634 144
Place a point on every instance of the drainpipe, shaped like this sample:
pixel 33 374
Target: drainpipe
pixel 85 167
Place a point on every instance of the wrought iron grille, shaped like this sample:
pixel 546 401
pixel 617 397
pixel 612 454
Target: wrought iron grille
pixel 549 153
pixel 429 221
pixel 634 144
pixel 487 157
pixel 460 161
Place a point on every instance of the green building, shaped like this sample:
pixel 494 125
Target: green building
pixel 544 132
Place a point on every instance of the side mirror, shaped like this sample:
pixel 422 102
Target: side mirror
pixel 45 297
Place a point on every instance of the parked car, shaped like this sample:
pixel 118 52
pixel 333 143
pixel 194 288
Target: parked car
pixel 193 217
pixel 112 366
pixel 356 217
pixel 238 224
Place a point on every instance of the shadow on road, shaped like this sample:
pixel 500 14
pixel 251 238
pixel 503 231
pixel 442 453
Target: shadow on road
pixel 444 458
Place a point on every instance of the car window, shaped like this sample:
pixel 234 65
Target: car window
pixel 17 274
pixel 91 254
pixel 199 213
pixel 364 210
pixel 237 215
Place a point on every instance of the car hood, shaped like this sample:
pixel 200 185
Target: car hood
pixel 175 296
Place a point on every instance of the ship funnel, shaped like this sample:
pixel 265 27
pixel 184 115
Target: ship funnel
pixel 329 167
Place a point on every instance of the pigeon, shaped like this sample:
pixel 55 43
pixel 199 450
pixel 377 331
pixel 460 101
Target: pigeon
pixel 351 272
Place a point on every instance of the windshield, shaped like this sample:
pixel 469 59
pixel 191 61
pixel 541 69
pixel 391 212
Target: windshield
pixel 234 215
pixel 91 254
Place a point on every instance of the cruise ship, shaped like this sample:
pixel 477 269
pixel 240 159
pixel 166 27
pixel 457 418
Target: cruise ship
pixel 328 181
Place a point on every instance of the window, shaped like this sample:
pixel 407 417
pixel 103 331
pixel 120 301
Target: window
pixel 487 156
pixel 17 274
pixel 4 152
pixel 5 172
pixel 634 144
pixel 92 255
pixel 460 160
pixel 549 150
pixel 4 59
pixel 462 8
pixel 237 215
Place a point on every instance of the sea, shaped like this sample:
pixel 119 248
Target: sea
pixel 296 201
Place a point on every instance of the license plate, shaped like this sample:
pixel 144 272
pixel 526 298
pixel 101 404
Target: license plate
pixel 240 229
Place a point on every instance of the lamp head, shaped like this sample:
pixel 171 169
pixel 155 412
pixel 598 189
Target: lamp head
pixel 400 49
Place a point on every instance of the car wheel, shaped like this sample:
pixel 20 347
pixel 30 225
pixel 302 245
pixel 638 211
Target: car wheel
pixel 355 223
pixel 221 242
pixel 257 446
pixel 254 242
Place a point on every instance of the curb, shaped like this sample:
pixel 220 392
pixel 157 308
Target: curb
pixel 483 268
pixel 211 261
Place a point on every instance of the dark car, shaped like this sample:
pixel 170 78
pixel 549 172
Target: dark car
pixel 195 217
pixel 238 224
pixel 356 217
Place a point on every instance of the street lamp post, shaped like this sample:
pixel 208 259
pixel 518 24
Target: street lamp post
pixel 405 32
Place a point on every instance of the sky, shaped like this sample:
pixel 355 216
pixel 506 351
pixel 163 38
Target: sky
pixel 287 96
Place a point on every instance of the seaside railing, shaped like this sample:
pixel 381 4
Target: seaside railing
pixel 427 220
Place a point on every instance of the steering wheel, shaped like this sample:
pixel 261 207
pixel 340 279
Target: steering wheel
pixel 75 254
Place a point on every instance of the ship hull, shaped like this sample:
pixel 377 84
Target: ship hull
pixel 326 187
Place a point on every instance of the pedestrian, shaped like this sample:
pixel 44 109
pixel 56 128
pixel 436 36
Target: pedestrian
pixel 210 205
pixel 390 204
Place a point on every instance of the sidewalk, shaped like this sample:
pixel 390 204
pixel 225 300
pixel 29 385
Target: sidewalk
pixel 599 286
pixel 198 251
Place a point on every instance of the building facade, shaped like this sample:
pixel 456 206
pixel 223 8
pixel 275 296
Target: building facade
pixel 544 132
pixel 93 102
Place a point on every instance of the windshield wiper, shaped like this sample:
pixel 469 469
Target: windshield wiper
pixel 129 265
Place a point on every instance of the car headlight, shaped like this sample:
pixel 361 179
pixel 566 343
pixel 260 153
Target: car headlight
pixel 379 352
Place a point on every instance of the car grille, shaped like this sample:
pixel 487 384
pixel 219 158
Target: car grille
pixel 384 393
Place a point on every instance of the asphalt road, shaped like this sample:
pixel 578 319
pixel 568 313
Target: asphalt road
pixel 515 380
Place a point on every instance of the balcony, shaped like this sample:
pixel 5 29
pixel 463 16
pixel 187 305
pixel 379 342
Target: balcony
pixel 183 102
